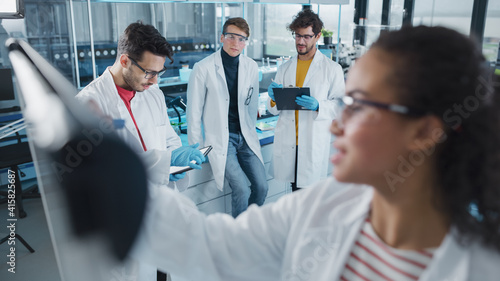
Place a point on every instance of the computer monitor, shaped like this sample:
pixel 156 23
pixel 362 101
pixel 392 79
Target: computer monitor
pixel 93 185
pixel 7 89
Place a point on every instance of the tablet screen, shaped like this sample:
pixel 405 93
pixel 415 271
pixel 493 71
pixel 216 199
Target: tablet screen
pixel 285 97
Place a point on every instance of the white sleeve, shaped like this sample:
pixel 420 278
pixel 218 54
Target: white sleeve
pixel 328 108
pixel 177 238
pixel 157 163
pixel 196 93
pixel 278 79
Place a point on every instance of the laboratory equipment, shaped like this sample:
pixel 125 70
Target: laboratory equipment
pixel 185 72
pixel 174 103
pixel 279 61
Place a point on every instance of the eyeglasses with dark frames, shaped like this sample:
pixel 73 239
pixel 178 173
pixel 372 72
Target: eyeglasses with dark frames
pixel 149 74
pixel 348 104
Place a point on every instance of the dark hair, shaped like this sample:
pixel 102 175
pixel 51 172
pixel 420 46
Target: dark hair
pixel 239 23
pixel 138 38
pixel 304 19
pixel 444 72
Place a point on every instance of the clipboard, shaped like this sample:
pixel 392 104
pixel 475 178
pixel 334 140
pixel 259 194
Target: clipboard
pixel 285 97
pixel 181 169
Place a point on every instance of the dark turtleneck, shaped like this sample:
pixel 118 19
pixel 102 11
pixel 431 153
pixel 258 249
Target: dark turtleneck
pixel 231 70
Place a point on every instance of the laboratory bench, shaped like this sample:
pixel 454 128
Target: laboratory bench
pixel 265 136
pixel 202 189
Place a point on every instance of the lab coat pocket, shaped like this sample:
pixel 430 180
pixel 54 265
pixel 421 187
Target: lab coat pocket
pixel 321 91
pixel 161 136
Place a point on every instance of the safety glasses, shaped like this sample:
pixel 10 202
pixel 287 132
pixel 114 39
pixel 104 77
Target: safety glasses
pixel 236 37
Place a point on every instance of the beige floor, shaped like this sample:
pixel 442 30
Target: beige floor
pixel 38 266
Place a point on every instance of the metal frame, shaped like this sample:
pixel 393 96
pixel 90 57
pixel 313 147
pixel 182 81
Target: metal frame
pixel 94 75
pixel 478 20
pixel 409 6
pixel 75 47
pixel 386 12
pixel 360 7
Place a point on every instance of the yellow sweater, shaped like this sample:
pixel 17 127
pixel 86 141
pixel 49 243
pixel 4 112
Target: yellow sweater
pixel 302 68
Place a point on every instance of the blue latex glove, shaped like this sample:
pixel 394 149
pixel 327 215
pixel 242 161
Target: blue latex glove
pixel 308 102
pixel 271 87
pixel 177 177
pixel 187 156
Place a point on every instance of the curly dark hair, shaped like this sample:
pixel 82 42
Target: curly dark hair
pixel 138 38
pixel 304 19
pixel 444 72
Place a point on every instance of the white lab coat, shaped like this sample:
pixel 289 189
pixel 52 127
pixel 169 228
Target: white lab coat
pixel 208 109
pixel 306 235
pixel 325 78
pixel 150 113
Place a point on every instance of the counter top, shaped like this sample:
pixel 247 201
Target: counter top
pixel 265 137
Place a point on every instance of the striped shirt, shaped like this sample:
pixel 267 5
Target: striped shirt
pixel 372 259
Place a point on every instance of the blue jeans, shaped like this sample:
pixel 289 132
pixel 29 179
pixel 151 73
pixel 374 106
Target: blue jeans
pixel 241 162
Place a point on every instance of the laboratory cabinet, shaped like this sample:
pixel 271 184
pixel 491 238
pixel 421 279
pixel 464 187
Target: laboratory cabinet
pixel 203 191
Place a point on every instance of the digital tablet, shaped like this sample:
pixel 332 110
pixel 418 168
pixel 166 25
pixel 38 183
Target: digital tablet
pixel 285 97
pixel 181 169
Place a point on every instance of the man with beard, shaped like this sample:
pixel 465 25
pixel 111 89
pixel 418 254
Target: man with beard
pixel 128 90
pixel 301 143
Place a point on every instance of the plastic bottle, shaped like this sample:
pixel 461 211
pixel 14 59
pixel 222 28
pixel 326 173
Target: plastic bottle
pixel 184 73
pixel 279 61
